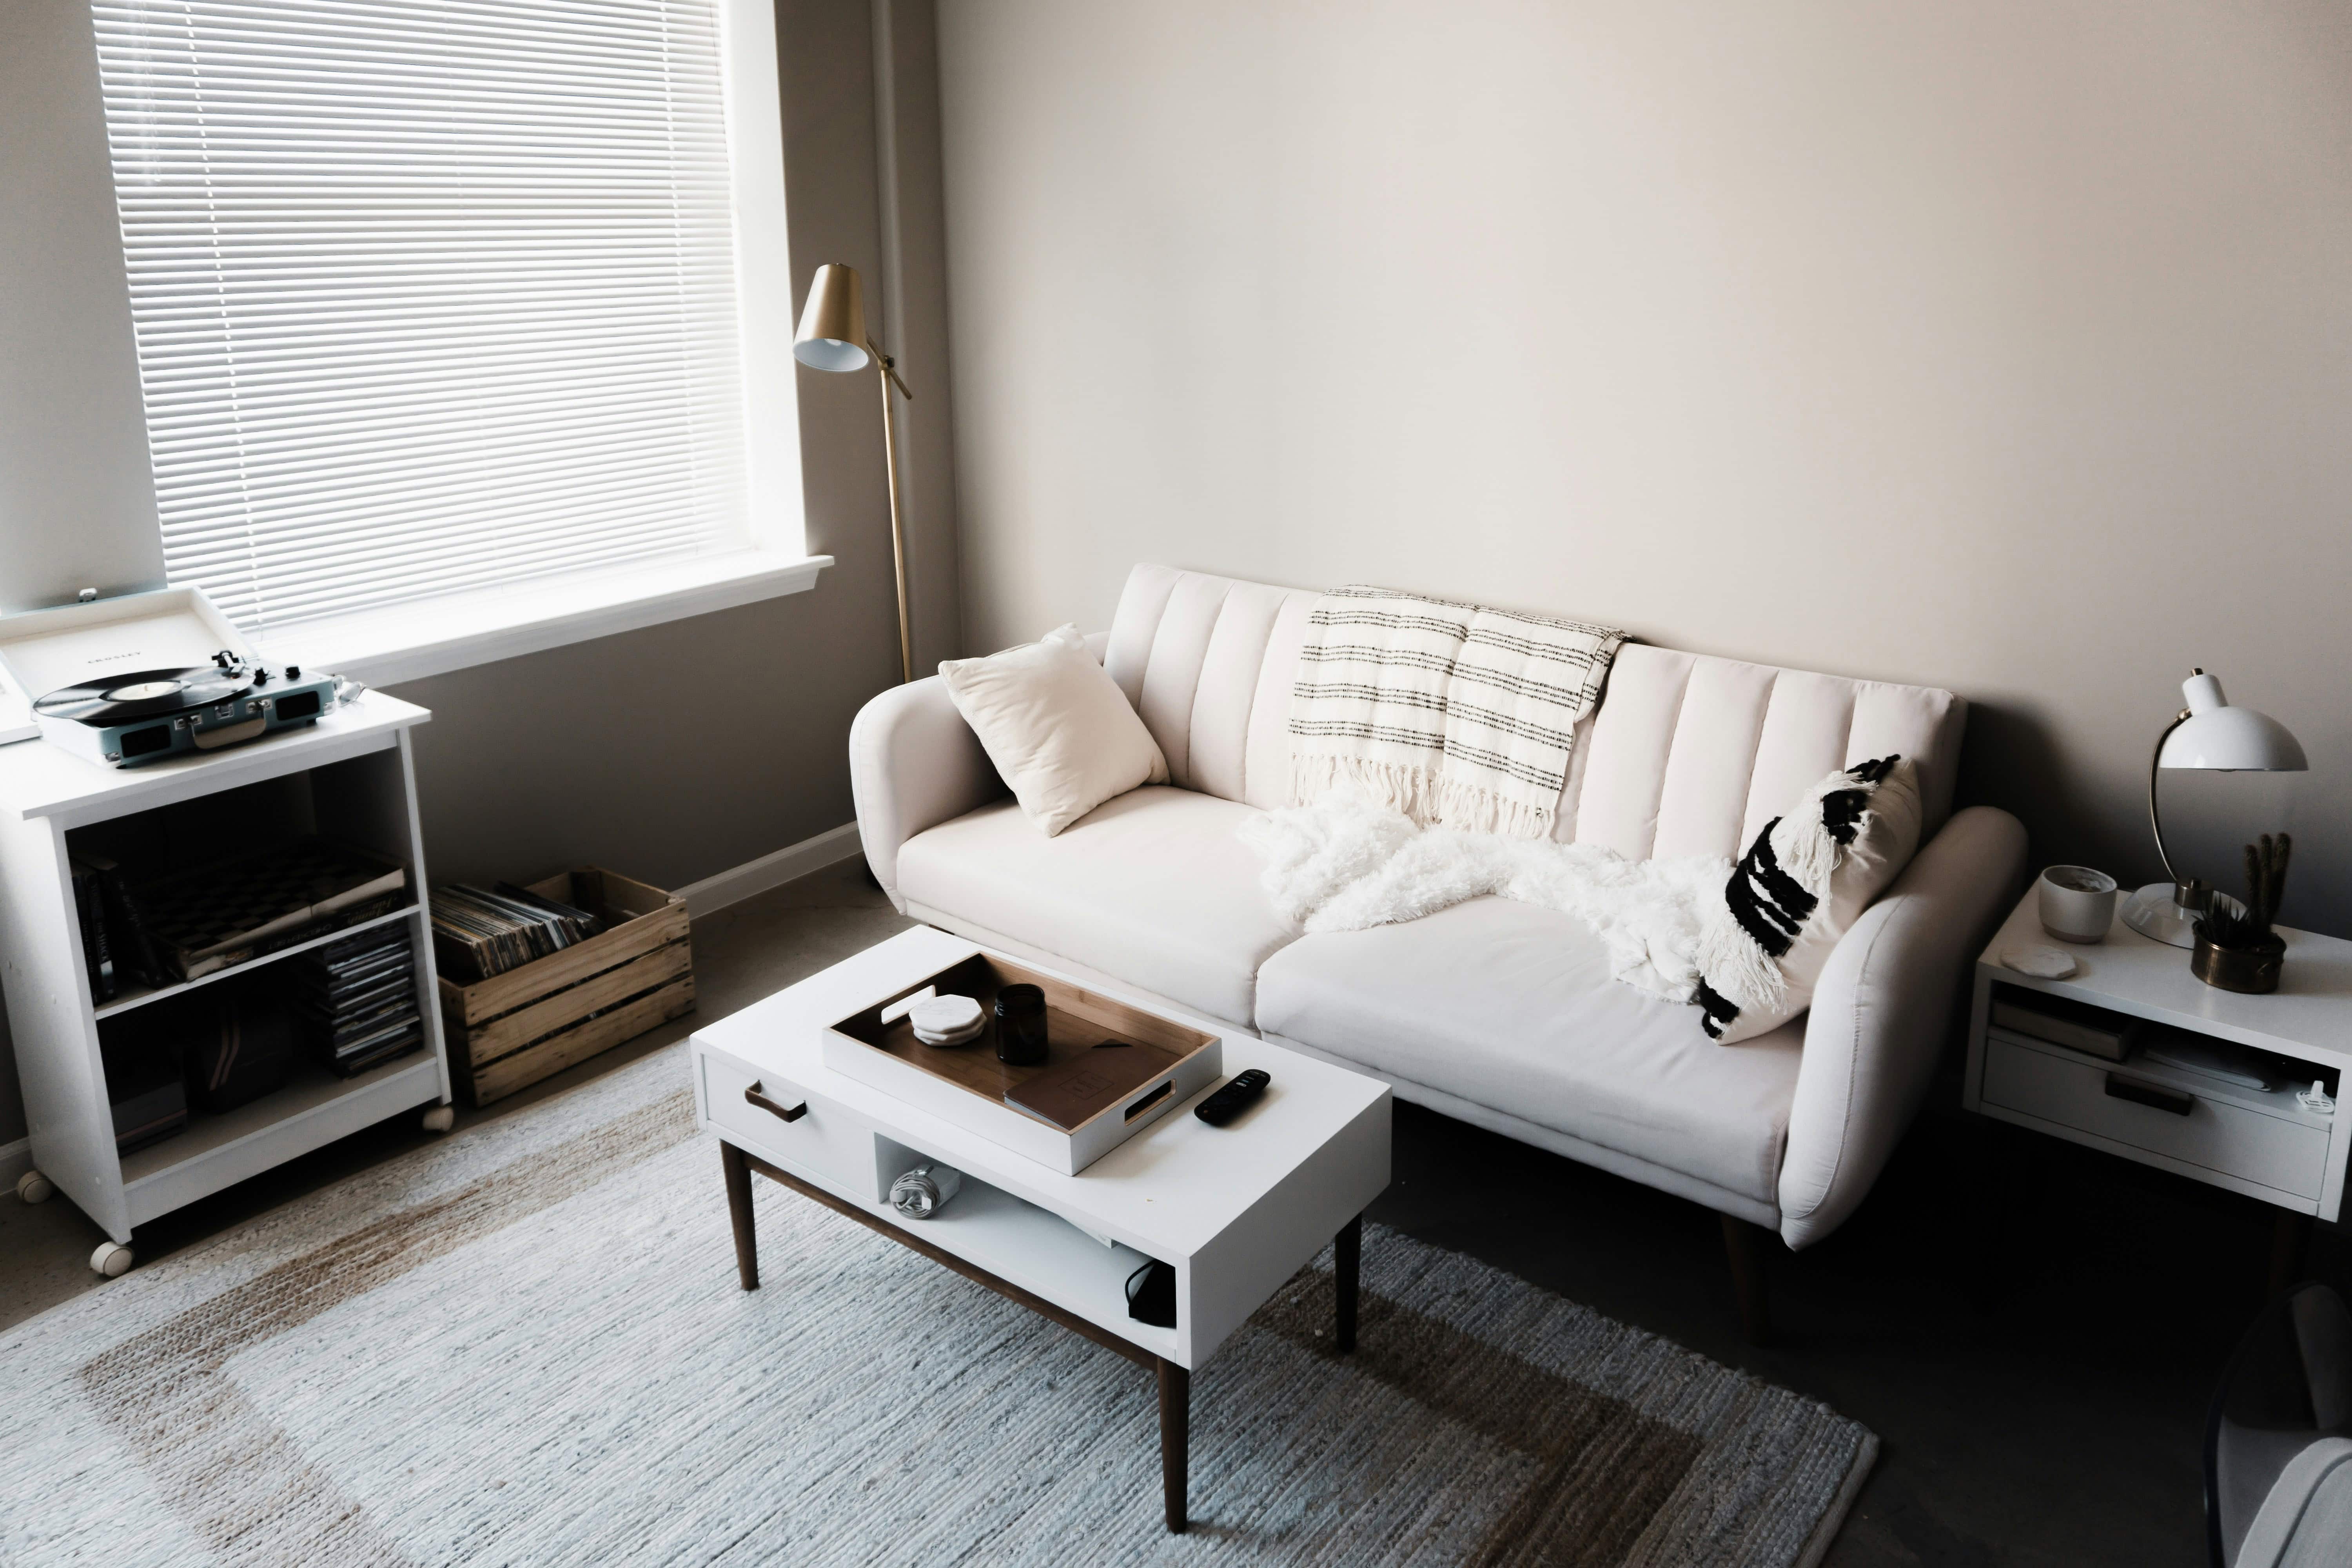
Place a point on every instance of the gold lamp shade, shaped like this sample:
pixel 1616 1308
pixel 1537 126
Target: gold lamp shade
pixel 831 333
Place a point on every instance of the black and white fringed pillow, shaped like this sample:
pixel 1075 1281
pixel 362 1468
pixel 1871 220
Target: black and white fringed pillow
pixel 1799 889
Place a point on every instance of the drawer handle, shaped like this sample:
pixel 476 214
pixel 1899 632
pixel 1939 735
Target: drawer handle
pixel 789 1112
pixel 2148 1094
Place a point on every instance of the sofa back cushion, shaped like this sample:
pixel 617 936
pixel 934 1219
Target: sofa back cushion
pixel 1685 756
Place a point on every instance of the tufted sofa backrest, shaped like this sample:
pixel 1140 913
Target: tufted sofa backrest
pixel 1685 756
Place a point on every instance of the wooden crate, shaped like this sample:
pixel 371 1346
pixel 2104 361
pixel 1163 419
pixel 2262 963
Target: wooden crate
pixel 513 1029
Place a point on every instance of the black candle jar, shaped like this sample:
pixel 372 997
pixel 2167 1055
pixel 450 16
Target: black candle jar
pixel 1021 1026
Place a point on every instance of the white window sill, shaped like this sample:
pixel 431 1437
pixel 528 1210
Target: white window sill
pixel 409 642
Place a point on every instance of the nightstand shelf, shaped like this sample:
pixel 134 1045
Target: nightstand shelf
pixel 2264 1143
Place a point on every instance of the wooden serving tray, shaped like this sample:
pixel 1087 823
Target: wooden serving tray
pixel 967 1085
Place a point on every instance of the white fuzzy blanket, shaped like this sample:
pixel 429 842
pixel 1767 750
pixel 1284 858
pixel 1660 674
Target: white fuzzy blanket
pixel 1346 863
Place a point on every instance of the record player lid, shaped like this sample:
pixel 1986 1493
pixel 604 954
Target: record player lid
pixel 42 651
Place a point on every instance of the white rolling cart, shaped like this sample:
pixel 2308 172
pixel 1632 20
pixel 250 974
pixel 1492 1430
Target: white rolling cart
pixel 348 776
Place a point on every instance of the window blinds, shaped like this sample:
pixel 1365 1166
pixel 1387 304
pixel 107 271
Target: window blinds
pixel 427 298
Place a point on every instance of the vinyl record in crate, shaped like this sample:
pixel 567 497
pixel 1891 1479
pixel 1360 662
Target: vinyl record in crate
pixel 144 693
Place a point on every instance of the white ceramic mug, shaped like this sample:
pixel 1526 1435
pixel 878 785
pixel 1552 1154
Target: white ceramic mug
pixel 2078 903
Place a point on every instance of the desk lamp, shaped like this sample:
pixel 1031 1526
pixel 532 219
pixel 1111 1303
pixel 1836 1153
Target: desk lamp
pixel 2208 733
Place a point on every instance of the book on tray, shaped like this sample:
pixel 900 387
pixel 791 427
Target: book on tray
pixel 1074 1092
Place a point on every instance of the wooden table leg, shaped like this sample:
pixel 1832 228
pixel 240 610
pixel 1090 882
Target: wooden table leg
pixel 1175 1439
pixel 1347 1265
pixel 738 1209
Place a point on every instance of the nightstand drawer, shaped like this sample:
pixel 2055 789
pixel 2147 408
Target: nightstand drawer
pixel 821 1141
pixel 2247 1144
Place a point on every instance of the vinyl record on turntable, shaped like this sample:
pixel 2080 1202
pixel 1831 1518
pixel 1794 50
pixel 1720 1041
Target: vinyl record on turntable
pixel 144 693
pixel 198 684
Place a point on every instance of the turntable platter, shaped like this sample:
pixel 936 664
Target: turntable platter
pixel 143 694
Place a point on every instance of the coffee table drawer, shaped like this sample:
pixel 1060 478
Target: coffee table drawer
pixel 824 1141
pixel 2162 1120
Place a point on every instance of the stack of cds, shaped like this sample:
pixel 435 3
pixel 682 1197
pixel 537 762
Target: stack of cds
pixel 946 1020
pixel 356 999
pixel 477 933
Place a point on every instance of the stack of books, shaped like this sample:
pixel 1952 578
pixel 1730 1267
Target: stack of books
pixel 114 941
pixel 356 999
pixel 2061 1021
pixel 477 933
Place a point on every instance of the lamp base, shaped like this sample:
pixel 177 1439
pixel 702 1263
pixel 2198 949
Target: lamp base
pixel 2156 912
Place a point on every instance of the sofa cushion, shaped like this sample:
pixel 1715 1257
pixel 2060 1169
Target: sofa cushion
pixel 1512 1007
pixel 1060 729
pixel 1798 889
pixel 1152 886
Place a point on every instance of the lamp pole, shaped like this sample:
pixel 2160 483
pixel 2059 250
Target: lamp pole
pixel 890 378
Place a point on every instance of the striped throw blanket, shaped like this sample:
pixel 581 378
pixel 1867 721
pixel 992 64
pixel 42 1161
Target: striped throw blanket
pixel 1449 713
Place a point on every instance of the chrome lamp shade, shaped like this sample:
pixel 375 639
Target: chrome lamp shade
pixel 2211 734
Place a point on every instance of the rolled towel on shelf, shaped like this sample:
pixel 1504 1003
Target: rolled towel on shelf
pixel 921 1192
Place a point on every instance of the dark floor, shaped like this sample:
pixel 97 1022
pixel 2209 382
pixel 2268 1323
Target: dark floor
pixel 2032 1329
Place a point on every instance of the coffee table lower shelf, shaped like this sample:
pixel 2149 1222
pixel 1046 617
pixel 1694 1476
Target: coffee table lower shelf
pixel 1175 1381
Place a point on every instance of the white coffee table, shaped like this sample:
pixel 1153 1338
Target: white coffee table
pixel 1236 1211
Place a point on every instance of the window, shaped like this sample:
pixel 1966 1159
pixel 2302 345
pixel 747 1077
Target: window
pixel 440 300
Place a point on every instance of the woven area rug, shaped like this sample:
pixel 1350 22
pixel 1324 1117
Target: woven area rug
pixel 526 1345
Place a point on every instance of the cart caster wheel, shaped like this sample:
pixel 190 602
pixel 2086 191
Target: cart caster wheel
pixel 111 1260
pixel 440 1119
pixel 35 1187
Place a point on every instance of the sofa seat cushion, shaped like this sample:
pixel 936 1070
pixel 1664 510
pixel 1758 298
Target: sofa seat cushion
pixel 1512 1007
pixel 1151 887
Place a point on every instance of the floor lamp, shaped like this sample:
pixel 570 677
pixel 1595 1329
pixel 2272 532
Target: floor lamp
pixel 832 336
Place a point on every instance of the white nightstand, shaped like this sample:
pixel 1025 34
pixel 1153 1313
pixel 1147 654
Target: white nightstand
pixel 2265 1144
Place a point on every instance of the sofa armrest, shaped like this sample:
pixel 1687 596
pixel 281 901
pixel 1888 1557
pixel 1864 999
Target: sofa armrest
pixel 913 764
pixel 1882 1012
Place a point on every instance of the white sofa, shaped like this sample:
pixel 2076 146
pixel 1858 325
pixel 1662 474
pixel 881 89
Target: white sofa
pixel 1498 1013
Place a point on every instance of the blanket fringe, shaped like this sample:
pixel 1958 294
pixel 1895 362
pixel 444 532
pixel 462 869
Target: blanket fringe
pixel 1423 795
pixel 1409 790
pixel 1472 809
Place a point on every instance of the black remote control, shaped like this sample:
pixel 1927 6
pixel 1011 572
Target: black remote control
pixel 1243 1091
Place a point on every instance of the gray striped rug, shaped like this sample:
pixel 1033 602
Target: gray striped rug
pixel 526 1345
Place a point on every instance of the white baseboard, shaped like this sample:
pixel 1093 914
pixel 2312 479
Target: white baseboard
pixel 15 1158
pixel 741 882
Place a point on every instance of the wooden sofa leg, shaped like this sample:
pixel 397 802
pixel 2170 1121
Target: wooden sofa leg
pixel 1747 1244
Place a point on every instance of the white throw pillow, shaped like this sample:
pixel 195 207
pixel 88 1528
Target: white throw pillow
pixel 1057 726
pixel 1799 889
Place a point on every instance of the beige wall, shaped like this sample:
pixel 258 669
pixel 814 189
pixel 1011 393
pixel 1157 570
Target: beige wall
pixel 670 753
pixel 2006 347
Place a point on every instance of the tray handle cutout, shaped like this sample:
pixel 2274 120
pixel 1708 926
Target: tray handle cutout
pixel 1148 1101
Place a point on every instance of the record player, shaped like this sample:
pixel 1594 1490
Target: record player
pixel 141 677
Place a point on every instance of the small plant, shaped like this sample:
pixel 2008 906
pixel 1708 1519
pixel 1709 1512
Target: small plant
pixel 2247 927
